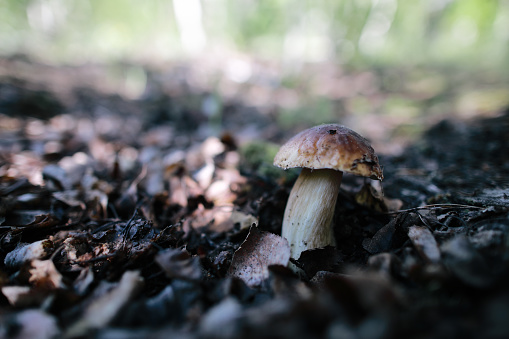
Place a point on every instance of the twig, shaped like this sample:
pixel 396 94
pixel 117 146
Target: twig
pixel 98 258
pixel 439 206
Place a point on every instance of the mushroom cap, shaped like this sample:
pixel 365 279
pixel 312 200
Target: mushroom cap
pixel 330 146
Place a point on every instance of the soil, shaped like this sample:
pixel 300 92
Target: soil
pixel 130 218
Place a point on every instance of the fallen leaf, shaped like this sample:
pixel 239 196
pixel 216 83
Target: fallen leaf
pixel 34 218
pixel 84 281
pixel 245 220
pixel 252 259
pixel 370 198
pixel 105 308
pixel 360 292
pixel 217 219
pixel 70 198
pixel 385 264
pixel 393 205
pixel 33 324
pixel 58 175
pixel 466 263
pixel 44 274
pixel 320 259
pixel 24 296
pixel 425 243
pixel 382 240
pixel 179 264
pixel 221 320
pixel 161 308
pixel 487 239
pixel 26 252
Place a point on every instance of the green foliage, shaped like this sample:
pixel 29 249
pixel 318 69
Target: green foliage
pixel 315 112
pixel 469 32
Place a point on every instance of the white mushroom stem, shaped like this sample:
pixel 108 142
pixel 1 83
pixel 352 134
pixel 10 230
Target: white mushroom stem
pixel 310 209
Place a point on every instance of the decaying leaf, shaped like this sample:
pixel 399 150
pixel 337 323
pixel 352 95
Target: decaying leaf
pixel 385 264
pixel 179 264
pixel 461 257
pixel 26 252
pixel 33 324
pixel 220 321
pixel 57 175
pixel 70 197
pixel 34 218
pixel 44 274
pixel 382 239
pixel 360 292
pixel 106 307
pixel 253 258
pixel 370 198
pixel 24 296
pixel 245 220
pixel 425 243
pixel 143 185
pixel 84 280
pixel 320 259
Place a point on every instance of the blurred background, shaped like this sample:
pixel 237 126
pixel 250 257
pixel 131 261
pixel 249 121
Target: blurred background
pixel 387 68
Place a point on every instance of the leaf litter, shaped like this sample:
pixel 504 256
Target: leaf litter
pixel 128 219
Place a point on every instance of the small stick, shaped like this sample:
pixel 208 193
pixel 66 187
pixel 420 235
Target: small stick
pixel 436 206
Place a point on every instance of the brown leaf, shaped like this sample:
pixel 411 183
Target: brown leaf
pixel 46 220
pixel 370 198
pixel 253 258
pixel 217 219
pixel 44 274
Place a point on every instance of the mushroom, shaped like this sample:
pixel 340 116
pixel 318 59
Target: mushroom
pixel 324 152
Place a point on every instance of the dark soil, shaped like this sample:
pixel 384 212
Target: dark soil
pixel 121 219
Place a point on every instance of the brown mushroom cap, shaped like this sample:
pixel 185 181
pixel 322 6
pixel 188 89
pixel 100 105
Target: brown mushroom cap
pixel 330 146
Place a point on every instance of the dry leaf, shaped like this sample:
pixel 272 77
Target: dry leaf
pixel 382 240
pixel 23 296
pixel 425 243
pixel 245 220
pixel 260 250
pixel 466 263
pixel 105 308
pixel 220 320
pixel 26 252
pixel 372 197
pixel 84 281
pixel 44 274
pixel 33 324
pixel 70 198
pixel 369 197
pixel 217 219
pixel 179 264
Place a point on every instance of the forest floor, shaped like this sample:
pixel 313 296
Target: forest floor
pixel 159 216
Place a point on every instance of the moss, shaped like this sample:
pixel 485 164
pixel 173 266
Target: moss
pixel 258 157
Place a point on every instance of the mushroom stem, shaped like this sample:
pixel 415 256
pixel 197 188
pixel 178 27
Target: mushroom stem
pixel 310 209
